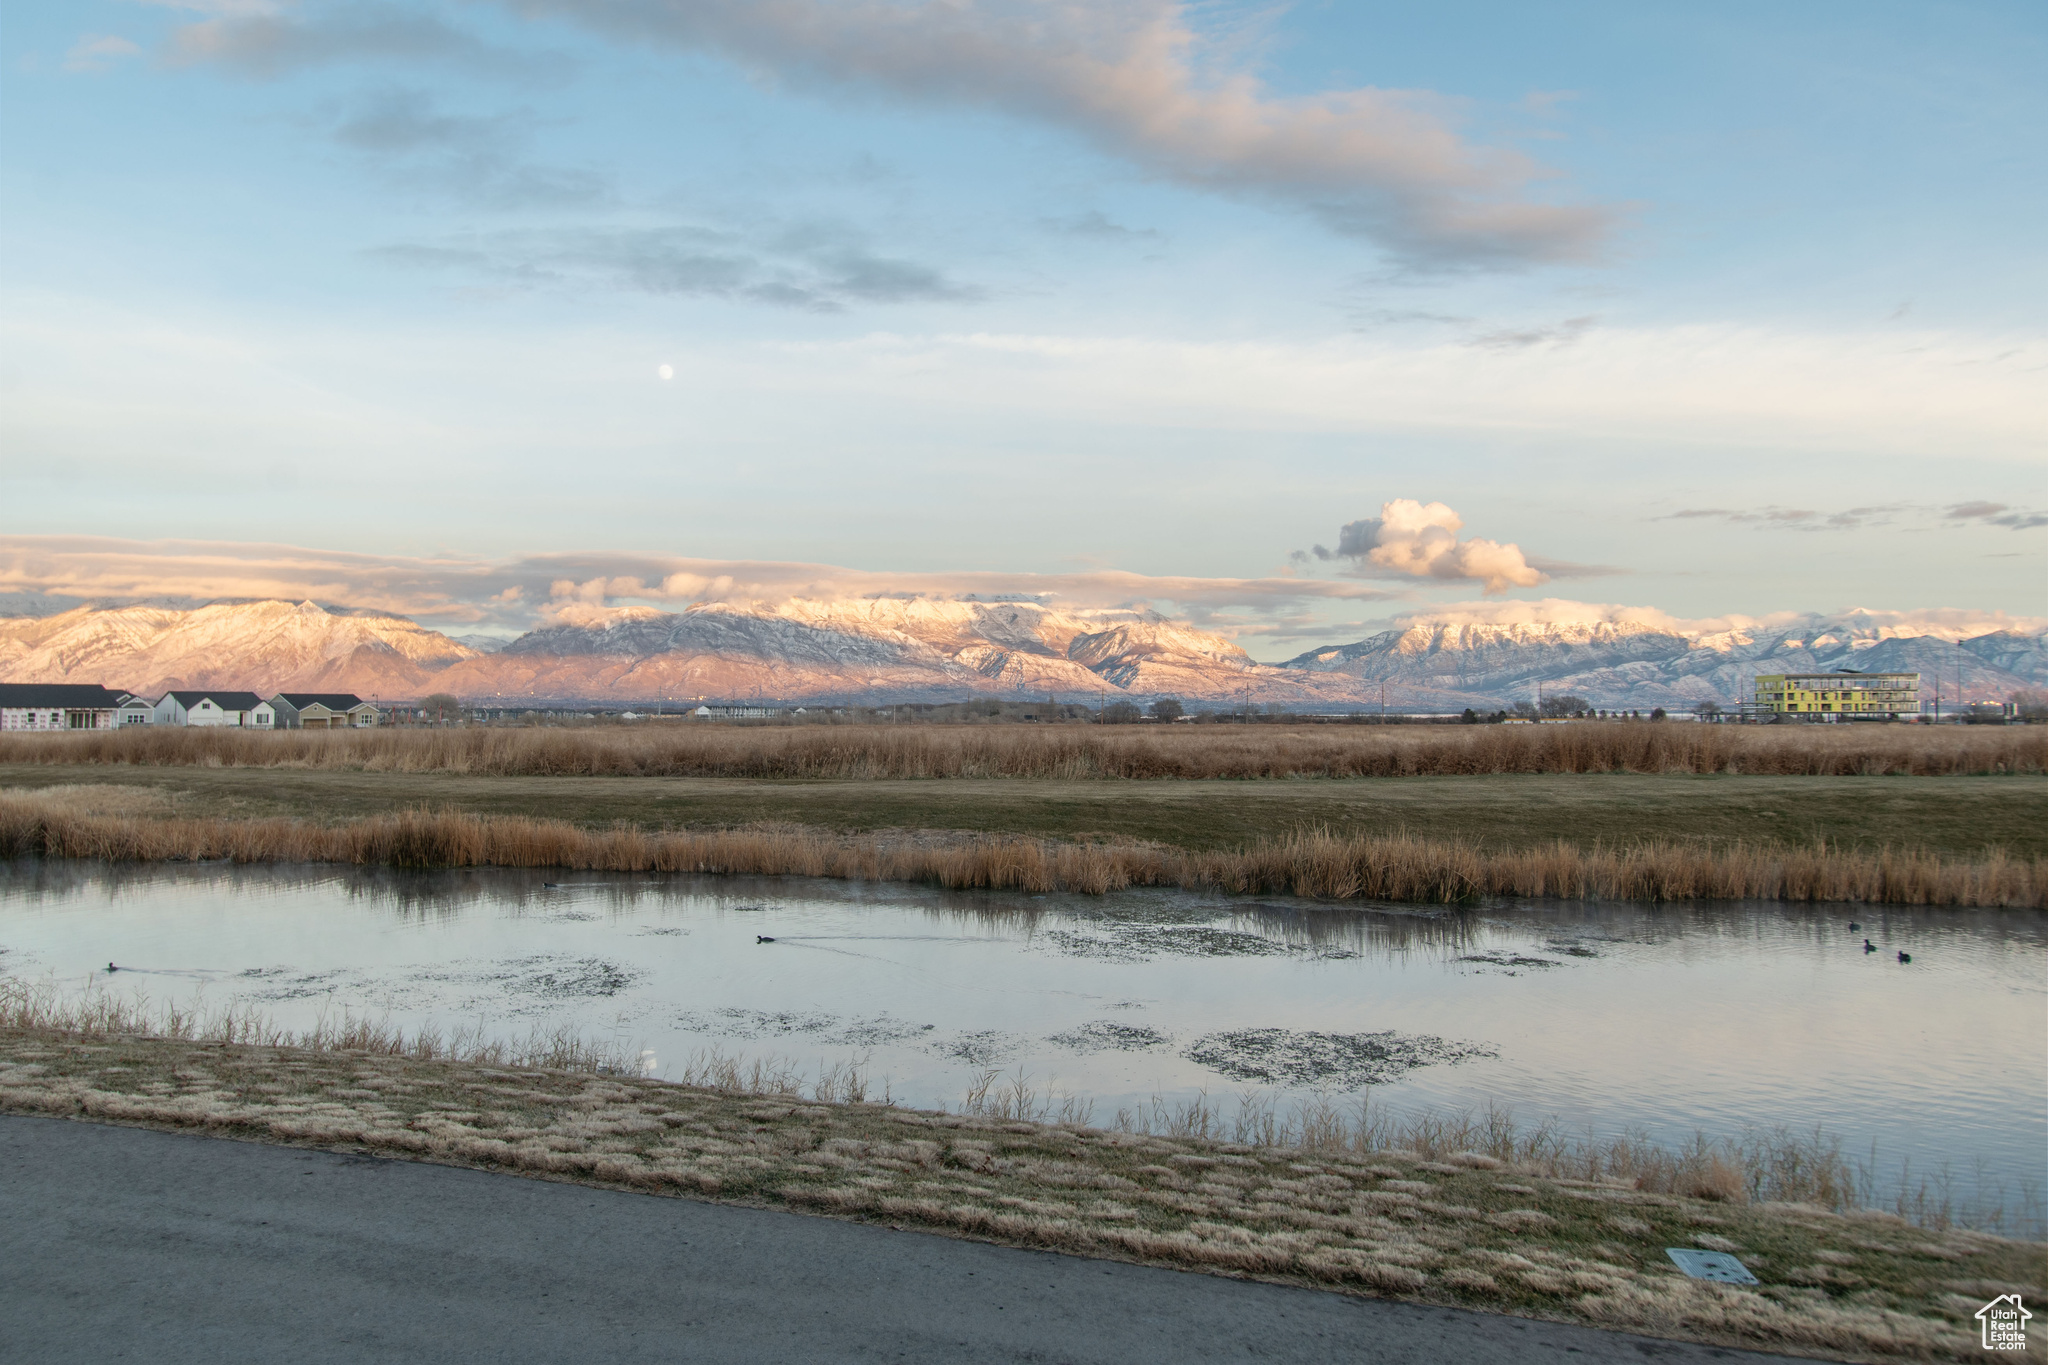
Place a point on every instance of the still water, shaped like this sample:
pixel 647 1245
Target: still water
pixel 1670 1019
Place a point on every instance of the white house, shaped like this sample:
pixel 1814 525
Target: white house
pixel 239 709
pixel 322 711
pixel 58 706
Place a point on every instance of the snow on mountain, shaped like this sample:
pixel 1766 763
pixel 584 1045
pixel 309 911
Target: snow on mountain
pixel 865 648
pixel 1642 664
pixel 931 649
pixel 2014 652
pixel 257 646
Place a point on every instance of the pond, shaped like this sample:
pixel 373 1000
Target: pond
pixel 1670 1019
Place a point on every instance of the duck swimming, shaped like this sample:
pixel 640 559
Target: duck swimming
pixel 1868 946
pixel 1905 957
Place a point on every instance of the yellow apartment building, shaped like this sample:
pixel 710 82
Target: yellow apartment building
pixel 1831 696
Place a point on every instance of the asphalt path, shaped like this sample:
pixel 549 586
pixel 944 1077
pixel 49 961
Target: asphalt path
pixel 132 1244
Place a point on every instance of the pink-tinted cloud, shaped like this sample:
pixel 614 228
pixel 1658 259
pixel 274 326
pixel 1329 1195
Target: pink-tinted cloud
pixel 1133 76
pixel 1420 540
pixel 519 592
pixel 1958 623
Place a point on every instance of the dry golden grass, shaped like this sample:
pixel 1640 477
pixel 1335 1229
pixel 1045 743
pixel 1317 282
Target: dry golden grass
pixel 1317 863
pixel 1459 1227
pixel 693 749
pixel 99 798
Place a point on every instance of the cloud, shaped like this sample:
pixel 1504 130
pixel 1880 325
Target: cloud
pixel 1565 568
pixel 1770 515
pixel 235 8
pixel 1420 540
pixel 1856 518
pixel 1097 225
pixel 517 592
pixel 820 267
pixel 98 51
pixel 95 567
pixel 1515 339
pixel 1136 78
pixel 477 158
pixel 1996 514
pixel 1700 390
pixel 265 41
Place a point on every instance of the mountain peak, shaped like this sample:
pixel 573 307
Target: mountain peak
pixel 932 648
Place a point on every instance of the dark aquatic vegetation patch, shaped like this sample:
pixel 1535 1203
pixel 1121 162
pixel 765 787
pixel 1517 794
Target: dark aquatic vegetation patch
pixel 1142 942
pixel 1570 948
pixel 1325 1061
pixel 984 1048
pixel 1150 914
pixel 752 1024
pixel 570 916
pixel 734 1022
pixel 588 978
pixel 1105 1035
pixel 286 983
pixel 1089 945
pixel 1508 960
pixel 660 933
pixel 881 1029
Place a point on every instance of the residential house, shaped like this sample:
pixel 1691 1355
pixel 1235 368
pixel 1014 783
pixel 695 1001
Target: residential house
pixel 58 706
pixel 136 711
pixel 239 709
pixel 322 711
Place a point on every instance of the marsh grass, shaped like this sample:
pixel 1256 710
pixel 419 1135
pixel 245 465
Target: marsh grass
pixel 1073 752
pixel 1761 1166
pixel 1315 863
pixel 1331 1204
pixel 96 1012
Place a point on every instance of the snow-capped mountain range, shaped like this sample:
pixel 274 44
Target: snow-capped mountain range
pixel 259 646
pixel 1641 664
pixel 929 649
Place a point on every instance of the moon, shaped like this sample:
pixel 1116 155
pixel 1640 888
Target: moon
pixel 667 372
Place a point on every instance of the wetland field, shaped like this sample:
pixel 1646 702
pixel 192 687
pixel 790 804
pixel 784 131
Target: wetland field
pixel 1767 990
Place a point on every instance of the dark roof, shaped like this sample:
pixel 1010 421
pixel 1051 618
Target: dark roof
pixel 333 701
pixel 77 696
pixel 226 701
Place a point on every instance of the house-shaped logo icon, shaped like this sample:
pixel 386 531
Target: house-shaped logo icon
pixel 2005 1323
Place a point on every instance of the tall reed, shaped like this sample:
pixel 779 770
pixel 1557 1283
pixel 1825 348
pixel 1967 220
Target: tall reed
pixel 1315 863
pixel 694 749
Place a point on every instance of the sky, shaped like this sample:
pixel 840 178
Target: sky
pixel 1286 319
